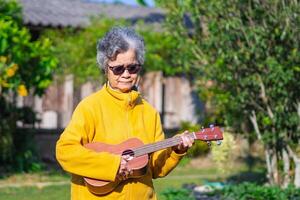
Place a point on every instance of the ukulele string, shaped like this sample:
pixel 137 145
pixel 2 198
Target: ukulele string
pixel 148 148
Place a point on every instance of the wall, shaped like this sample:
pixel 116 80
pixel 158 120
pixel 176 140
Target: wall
pixel 173 97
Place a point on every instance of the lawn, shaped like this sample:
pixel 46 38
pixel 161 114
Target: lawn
pixel 44 190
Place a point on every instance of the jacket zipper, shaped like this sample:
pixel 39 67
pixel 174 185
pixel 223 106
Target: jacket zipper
pixel 128 134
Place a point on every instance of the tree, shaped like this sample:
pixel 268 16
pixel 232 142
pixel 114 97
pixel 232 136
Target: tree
pixel 76 49
pixel 26 66
pixel 248 56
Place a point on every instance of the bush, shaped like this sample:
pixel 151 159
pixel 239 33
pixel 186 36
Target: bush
pixel 199 148
pixel 26 67
pixel 177 194
pixel 224 155
pixel 23 157
pixel 247 191
pixel 26 157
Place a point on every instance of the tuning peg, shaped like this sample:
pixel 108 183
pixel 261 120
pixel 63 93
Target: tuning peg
pixel 208 143
pixel 212 127
pixel 219 142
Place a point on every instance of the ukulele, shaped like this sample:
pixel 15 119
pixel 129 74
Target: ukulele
pixel 139 151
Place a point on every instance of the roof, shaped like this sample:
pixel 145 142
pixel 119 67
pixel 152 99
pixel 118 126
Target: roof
pixel 76 13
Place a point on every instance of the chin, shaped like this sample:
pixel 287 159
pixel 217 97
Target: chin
pixel 125 88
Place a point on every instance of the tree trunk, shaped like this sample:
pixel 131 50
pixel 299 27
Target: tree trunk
pixel 270 154
pixel 297 173
pixel 269 166
pixel 296 160
pixel 274 165
pixel 286 168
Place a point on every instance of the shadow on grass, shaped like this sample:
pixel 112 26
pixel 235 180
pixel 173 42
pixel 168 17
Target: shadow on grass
pixel 253 177
pixel 255 173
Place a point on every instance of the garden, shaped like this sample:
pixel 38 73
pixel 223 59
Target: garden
pixel 242 58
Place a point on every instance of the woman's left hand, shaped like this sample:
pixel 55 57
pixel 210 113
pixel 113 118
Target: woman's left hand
pixel 186 142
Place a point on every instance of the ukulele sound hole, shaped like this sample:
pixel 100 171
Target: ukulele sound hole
pixel 128 152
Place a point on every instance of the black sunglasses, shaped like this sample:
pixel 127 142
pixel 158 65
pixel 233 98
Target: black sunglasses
pixel 120 69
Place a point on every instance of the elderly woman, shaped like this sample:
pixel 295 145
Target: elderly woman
pixel 112 115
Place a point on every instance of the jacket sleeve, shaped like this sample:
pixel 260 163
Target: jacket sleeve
pixel 164 161
pixel 75 158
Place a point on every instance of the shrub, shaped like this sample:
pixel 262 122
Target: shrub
pixel 200 147
pixel 223 155
pixel 26 67
pixel 177 194
pixel 249 191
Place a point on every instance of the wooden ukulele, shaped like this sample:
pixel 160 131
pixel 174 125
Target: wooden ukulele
pixel 139 151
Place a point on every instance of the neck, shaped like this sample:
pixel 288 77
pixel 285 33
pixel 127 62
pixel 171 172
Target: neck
pixel 149 148
pixel 117 90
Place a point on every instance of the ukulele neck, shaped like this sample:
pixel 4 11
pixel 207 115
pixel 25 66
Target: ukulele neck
pixel 149 148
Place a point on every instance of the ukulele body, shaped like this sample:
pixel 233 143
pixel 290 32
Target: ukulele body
pixel 138 165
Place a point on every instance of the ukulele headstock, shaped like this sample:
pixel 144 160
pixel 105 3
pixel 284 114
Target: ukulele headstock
pixel 213 133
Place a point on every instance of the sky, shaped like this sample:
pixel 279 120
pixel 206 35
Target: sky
pixel 129 2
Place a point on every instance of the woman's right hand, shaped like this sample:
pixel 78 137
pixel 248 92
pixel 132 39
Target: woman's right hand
pixel 124 171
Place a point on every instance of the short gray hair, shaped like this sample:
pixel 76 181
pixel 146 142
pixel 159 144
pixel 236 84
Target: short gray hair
pixel 118 40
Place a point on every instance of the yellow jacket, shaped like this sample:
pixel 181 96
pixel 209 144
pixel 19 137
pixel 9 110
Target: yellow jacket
pixel 112 117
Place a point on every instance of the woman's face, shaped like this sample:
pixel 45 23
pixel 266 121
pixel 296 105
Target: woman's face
pixel 125 81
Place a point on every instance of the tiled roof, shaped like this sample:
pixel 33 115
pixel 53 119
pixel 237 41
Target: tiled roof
pixel 76 13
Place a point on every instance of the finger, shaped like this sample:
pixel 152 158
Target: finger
pixel 130 172
pixel 185 141
pixel 180 145
pixel 125 157
pixel 190 141
pixel 126 175
pixel 185 138
pixel 122 166
pixel 120 177
pixel 128 157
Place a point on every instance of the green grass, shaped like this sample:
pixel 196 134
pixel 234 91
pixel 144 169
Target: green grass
pixel 180 175
pixel 44 176
pixel 34 193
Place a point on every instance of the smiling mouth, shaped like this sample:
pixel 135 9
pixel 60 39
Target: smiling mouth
pixel 125 82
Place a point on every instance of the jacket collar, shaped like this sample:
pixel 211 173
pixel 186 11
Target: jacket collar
pixel 128 100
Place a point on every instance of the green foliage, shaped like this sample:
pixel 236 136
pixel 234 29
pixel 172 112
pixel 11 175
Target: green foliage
pixel 247 56
pixel 200 148
pixel 247 191
pixel 223 155
pixel 26 157
pixel 17 147
pixel 177 194
pixel 32 62
pixel 141 2
pixel 240 45
pixel 161 51
pixel 25 66
pixel 10 9
pixel 76 49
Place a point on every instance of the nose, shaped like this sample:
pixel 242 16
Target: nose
pixel 126 73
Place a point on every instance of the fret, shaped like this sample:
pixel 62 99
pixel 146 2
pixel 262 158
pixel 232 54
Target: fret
pixel 149 148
